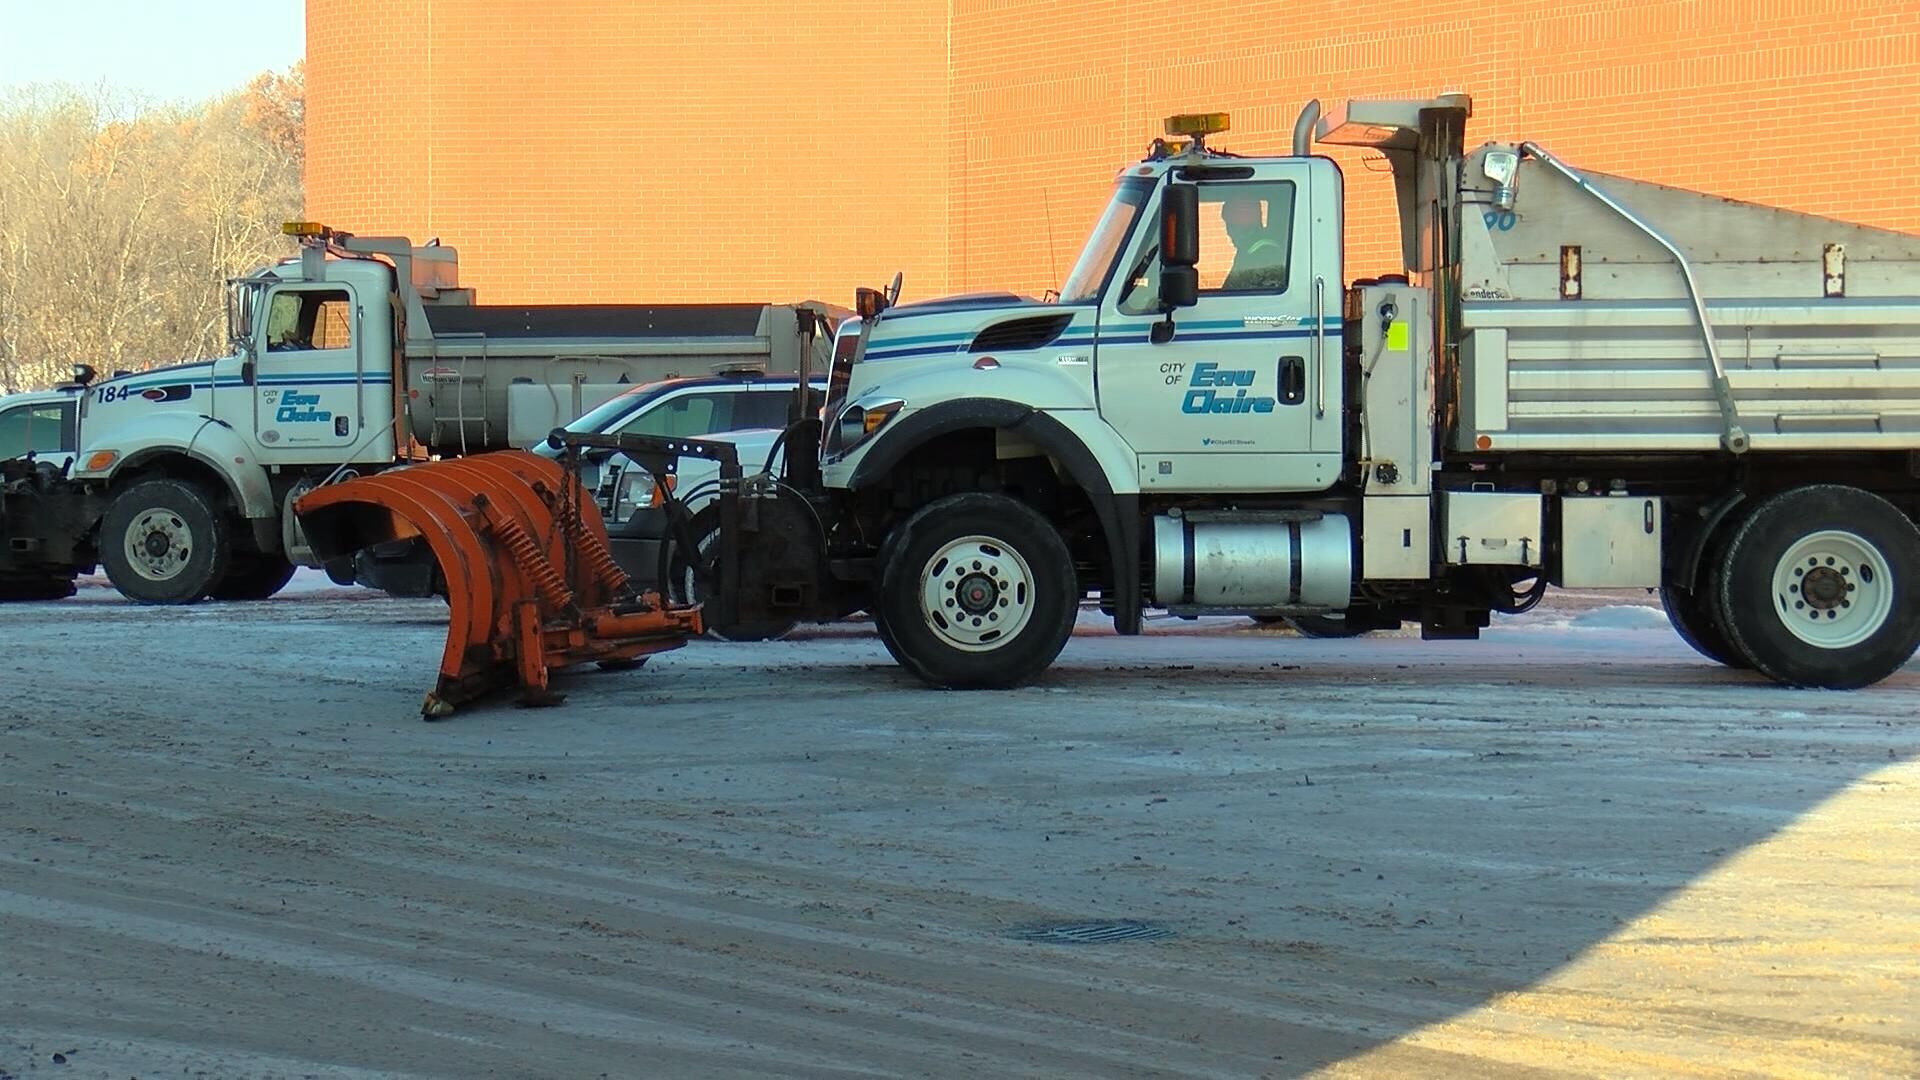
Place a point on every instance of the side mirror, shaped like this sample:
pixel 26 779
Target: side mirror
pixel 246 372
pixel 869 303
pixel 1501 166
pixel 1179 287
pixel 1179 248
pixel 1180 226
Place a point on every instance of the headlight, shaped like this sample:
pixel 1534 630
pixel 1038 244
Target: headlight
pixel 634 490
pixel 861 420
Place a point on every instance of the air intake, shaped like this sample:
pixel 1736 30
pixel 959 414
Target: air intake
pixel 1029 333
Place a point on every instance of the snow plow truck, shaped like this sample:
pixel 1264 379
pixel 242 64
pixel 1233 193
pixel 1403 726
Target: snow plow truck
pixel 1580 380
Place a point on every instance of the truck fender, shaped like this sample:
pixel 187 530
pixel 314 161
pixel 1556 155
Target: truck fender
pixel 1118 511
pixel 1686 568
pixel 211 443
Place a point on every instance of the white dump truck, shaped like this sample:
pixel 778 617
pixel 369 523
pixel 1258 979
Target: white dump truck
pixel 1580 380
pixel 358 354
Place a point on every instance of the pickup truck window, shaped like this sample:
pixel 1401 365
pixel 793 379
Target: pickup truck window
pixel 43 429
pixel 685 416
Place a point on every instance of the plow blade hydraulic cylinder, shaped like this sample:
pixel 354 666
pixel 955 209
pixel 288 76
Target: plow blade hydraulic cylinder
pixel 523 556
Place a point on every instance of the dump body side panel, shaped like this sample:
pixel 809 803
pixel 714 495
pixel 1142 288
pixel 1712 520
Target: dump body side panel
pixel 1578 332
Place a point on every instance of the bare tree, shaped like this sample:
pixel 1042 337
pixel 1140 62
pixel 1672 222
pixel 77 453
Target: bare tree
pixel 117 226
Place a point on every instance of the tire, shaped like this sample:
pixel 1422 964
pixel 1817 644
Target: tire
pixel 1693 618
pixel 887 639
pixel 880 627
pixel 164 542
pixel 25 588
pixel 681 586
pixel 1694 612
pixel 253 577
pixel 1012 567
pixel 1331 625
pixel 1844 560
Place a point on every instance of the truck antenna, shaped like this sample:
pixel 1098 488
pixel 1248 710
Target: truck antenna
pixel 1053 265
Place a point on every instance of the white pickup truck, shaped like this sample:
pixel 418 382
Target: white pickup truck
pixel 747 409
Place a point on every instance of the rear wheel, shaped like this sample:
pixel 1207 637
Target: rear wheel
pixel 164 542
pixel 253 577
pixel 1692 614
pixel 979 591
pixel 28 587
pixel 1695 612
pixel 1332 624
pixel 1817 588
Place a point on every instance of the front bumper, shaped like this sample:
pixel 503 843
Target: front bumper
pixel 636 544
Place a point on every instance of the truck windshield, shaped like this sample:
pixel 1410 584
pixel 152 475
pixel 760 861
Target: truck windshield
pixel 602 416
pixel 1103 246
pixel 243 296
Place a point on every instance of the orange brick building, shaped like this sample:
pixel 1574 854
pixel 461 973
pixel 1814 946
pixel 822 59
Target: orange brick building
pixel 660 150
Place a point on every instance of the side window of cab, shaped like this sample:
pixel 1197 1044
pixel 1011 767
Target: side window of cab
pixel 305 319
pixel 43 429
pixel 1246 245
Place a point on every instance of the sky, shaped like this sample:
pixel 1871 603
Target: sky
pixel 158 51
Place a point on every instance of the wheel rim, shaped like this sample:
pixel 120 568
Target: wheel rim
pixel 159 543
pixel 976 594
pixel 1832 589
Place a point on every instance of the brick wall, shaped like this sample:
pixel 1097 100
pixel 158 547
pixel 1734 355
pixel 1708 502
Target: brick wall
pixel 594 151
pixel 772 149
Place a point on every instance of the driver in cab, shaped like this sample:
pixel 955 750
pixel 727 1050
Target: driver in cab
pixel 1259 260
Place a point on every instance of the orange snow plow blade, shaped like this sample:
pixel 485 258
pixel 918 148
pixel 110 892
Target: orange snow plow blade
pixel 529 579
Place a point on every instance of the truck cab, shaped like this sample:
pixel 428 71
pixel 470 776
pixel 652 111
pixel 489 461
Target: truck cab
pixel 1238 391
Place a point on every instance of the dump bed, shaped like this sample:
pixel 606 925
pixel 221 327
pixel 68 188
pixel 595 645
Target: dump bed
pixel 498 376
pixel 1579 330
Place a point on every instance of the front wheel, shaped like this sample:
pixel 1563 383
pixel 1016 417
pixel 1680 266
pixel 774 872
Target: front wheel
pixel 978 592
pixel 254 577
pixel 1817 588
pixel 163 542
pixel 683 585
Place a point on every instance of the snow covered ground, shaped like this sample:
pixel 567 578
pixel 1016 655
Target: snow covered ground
pixel 1572 846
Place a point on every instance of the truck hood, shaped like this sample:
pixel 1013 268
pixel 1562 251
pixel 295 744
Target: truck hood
pixel 990 322
pixel 962 302
pixel 197 374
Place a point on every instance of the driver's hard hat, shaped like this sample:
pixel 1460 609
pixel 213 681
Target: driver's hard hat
pixel 1241 210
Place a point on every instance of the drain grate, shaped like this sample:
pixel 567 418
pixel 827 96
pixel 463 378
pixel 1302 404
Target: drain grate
pixel 1094 933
